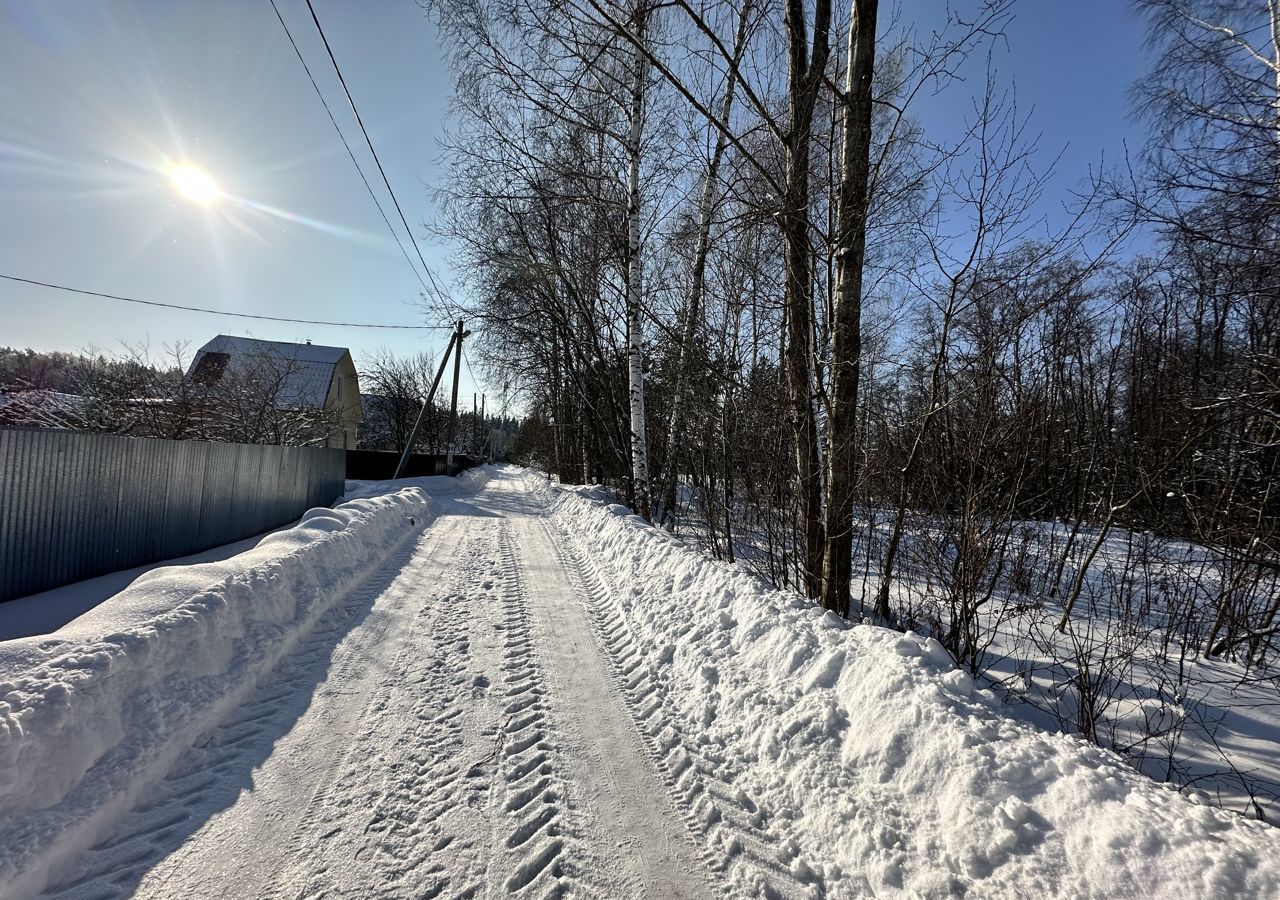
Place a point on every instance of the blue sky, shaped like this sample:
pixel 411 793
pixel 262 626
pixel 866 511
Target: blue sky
pixel 1070 66
pixel 98 98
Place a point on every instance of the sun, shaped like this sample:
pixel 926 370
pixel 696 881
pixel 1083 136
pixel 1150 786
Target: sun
pixel 195 184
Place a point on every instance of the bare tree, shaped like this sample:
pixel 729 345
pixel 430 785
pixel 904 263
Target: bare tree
pixel 846 326
pixel 394 389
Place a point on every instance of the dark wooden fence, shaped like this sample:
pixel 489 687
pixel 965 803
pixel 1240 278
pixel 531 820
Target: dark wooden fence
pixel 380 465
pixel 76 505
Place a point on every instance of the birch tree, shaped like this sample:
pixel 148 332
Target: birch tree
pixel 635 268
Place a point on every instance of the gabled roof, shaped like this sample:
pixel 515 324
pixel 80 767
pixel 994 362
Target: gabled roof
pixel 306 370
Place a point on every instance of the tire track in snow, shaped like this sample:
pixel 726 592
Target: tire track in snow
pixel 624 838
pixel 729 825
pixel 529 841
pixel 404 772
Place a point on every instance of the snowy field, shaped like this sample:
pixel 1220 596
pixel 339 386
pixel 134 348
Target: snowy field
pixel 497 687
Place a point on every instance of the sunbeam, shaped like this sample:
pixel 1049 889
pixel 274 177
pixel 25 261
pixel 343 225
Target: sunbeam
pixel 276 212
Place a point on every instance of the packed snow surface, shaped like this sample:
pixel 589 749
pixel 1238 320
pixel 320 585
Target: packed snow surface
pixel 493 686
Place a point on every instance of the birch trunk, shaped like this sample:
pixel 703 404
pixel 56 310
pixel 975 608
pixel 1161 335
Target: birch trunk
pixel 1273 15
pixel 635 358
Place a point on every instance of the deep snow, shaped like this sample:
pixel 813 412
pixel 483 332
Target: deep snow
pixel 47 611
pixel 1209 726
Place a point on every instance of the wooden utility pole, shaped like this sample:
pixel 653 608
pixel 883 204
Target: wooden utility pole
pixel 422 413
pixel 453 404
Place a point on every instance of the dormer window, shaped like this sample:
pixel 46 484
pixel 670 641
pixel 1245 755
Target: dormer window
pixel 210 368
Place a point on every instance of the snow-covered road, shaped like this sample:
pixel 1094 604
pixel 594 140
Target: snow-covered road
pixel 453 729
pixel 487 687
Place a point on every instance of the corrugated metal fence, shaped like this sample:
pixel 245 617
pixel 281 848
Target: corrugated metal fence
pixel 76 505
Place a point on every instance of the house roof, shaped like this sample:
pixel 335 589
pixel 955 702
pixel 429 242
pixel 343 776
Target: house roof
pixel 306 370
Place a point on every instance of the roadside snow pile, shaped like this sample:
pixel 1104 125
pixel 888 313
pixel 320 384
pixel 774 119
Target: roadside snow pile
pixel 94 713
pixel 884 771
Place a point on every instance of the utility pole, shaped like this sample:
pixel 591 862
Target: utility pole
pixel 475 421
pixel 453 405
pixel 426 404
pixel 487 434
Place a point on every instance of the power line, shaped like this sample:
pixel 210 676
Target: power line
pixel 218 312
pixel 369 141
pixel 475 381
pixel 351 154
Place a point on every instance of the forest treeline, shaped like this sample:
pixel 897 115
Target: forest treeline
pixel 737 277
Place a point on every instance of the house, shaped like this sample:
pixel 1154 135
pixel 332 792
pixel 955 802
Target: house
pixel 319 382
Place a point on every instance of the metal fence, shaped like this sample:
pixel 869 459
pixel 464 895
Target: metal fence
pixel 75 505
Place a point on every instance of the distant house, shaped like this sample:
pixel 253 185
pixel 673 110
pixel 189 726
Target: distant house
pixel 318 382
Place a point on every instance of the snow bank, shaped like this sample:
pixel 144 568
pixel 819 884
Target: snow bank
pixel 94 713
pixel 888 772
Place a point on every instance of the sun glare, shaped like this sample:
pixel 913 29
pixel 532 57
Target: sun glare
pixel 195 184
